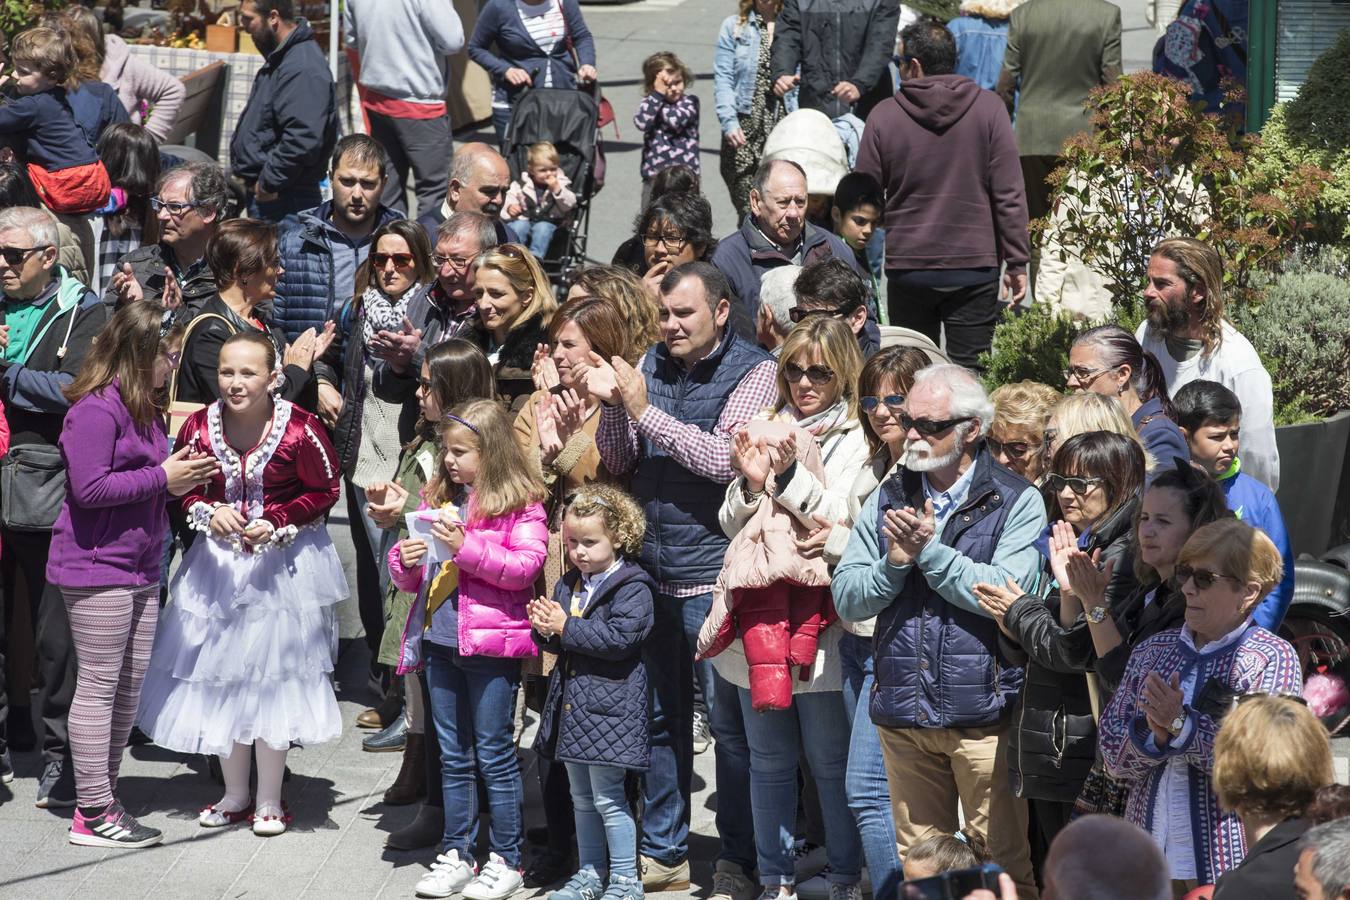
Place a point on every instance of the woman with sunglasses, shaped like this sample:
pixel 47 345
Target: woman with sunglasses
pixel 882 385
pixel 1017 436
pixel 1091 494
pixel 515 306
pixel 1158 732
pixel 1107 360
pixel 817 371
pixel 366 433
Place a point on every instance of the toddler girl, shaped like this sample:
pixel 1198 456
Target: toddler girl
pixel 539 202
pixel 469 624
pixel 595 716
pixel 667 118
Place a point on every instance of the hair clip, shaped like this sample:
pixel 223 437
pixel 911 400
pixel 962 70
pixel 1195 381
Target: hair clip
pixel 166 322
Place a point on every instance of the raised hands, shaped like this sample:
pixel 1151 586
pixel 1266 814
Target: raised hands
pixel 751 459
pixel 782 452
pixel 908 531
pixel 397 347
pixel 186 469
pixel 126 287
pixel 546 616
pixel 1089 582
pixel 1063 544
pixel 599 379
pixel 543 371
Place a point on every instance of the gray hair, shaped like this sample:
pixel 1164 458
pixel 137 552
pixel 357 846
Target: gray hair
pixel 471 225
pixel 765 172
pixel 206 183
pixel 965 394
pixel 1330 844
pixel 776 292
pixel 39 224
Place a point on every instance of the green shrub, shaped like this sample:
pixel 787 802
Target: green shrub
pixel 1300 325
pixel 18 15
pixel 1320 117
pixel 1032 345
pixel 1281 152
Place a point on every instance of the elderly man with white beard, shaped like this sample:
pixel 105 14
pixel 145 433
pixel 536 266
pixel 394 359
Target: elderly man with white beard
pixel 950 516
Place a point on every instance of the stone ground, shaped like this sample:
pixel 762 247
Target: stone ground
pixel 336 844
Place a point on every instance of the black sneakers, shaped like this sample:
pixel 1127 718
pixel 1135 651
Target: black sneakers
pixel 115 827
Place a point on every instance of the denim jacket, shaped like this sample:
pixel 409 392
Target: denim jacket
pixel 980 43
pixel 734 68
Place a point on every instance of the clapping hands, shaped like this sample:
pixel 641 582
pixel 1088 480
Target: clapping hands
pixel 546 616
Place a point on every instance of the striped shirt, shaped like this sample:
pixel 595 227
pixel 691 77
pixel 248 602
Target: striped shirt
pixel 546 27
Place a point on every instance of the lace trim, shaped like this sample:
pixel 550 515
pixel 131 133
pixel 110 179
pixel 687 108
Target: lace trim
pixel 244 477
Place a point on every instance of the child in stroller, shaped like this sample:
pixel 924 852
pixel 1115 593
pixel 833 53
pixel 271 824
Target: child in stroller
pixel 538 202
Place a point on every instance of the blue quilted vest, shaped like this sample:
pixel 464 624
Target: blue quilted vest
pixel 937 665
pixel 684 542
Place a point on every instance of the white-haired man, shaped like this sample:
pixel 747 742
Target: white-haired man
pixel 776 300
pixel 49 323
pixel 948 518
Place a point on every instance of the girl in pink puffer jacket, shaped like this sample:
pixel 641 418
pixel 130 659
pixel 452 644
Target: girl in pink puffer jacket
pixel 473 576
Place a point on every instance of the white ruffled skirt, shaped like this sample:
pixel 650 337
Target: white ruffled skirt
pixel 245 649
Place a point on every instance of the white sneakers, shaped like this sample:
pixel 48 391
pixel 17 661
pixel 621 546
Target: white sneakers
pixel 451 875
pixel 495 881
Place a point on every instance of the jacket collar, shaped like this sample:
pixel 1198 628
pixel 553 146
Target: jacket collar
pixel 714 359
pixel 762 249
pixel 627 573
pixel 301 34
pixel 317 222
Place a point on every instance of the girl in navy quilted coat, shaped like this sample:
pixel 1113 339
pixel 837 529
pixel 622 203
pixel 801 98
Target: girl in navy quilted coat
pixel 595 718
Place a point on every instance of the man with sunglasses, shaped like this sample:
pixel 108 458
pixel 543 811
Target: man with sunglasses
pixel 948 518
pixel 479 180
pixel 833 288
pixel 775 234
pixel 189 202
pixel 48 322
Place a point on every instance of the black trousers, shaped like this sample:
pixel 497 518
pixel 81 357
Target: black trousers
pixel 420 145
pixel 967 314
pixel 1047 818
pixel 369 597
pixel 26 551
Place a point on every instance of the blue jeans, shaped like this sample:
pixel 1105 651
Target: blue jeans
pixel 603 818
pixel 473 699
pixel 816 724
pixel 869 795
pixel 535 235
pixel 669 657
pixel 286 208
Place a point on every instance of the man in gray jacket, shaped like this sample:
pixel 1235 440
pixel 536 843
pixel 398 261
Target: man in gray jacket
pixel 404 48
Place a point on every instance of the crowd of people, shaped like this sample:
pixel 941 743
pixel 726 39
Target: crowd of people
pixel 700 499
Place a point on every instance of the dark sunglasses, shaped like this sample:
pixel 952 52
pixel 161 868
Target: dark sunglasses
pixel 817 375
pixel 15 256
pixel 1204 579
pixel 797 314
pixel 893 402
pixel 1079 485
pixel 1014 449
pixel 928 426
pixel 401 260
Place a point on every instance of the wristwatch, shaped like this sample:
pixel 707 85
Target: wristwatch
pixel 1175 726
pixel 1096 615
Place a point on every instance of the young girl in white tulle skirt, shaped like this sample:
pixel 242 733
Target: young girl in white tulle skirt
pixel 243 658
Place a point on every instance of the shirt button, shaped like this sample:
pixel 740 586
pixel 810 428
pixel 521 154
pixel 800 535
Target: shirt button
pixel 567 707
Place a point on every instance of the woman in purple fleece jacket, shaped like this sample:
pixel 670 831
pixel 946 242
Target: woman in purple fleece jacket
pixel 107 546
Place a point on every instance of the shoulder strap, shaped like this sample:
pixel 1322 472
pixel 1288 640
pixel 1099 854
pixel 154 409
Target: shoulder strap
pixel 200 317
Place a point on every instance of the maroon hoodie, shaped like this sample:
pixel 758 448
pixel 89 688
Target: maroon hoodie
pixel 943 151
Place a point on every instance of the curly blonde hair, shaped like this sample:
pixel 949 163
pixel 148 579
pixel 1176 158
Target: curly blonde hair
pixel 622 516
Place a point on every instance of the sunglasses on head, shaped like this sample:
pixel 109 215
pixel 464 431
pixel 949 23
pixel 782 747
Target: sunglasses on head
pixel 15 256
pixel 798 314
pixel 401 260
pixel 1204 579
pixel 1014 449
pixel 817 375
pixel 1080 485
pixel 893 402
pixel 928 426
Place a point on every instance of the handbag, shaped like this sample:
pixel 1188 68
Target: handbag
pixel 32 487
pixel 181 410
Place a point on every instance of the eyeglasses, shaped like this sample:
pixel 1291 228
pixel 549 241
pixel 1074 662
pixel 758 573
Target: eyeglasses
pixel 672 242
pixel 459 263
pixel 928 426
pixel 893 402
pixel 1079 485
pixel 15 256
pixel 424 382
pixel 175 208
pixel 400 260
pixel 817 375
pixel 1083 376
pixel 1014 449
pixel 797 314
pixel 1204 579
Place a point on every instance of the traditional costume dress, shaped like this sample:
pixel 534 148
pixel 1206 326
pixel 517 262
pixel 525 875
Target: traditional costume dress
pixel 245 648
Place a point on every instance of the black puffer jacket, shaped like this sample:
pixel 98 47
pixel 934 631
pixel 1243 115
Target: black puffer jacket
pixel 515 384
pixel 1054 736
pixel 834 41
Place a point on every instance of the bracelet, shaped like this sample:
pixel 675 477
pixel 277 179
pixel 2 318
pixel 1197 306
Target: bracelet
pixel 748 495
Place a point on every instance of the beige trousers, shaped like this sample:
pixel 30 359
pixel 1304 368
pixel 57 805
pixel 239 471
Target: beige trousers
pixel 930 770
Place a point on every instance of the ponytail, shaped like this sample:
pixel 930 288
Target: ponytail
pixel 1148 382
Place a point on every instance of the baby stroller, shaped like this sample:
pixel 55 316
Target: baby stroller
pixel 570 121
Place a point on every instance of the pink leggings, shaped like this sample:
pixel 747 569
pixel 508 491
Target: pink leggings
pixel 113 631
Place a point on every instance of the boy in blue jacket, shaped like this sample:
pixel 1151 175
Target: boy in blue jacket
pixel 1209 414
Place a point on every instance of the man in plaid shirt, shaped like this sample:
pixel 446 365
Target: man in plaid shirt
pixel 669 423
